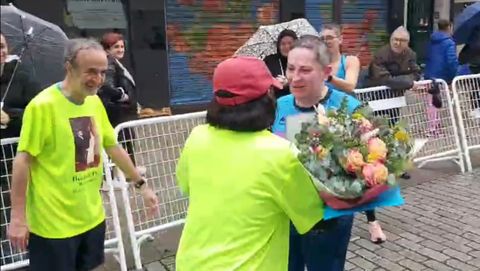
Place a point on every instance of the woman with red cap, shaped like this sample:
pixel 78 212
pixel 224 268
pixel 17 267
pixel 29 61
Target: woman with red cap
pixel 244 183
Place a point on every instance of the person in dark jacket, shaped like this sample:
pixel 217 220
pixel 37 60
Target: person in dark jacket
pixel 277 63
pixel 470 54
pixel 470 58
pixel 118 92
pixel 395 66
pixel 442 61
pixel 22 89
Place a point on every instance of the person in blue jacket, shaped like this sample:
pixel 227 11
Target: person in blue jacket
pixel 325 246
pixel 442 61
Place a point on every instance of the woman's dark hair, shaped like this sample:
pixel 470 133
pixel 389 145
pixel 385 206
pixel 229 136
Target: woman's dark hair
pixel 283 34
pixel 253 116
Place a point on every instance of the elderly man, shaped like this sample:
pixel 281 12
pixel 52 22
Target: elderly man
pixel 395 64
pixel 60 217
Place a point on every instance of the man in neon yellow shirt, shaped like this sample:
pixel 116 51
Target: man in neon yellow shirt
pixel 244 183
pixel 60 216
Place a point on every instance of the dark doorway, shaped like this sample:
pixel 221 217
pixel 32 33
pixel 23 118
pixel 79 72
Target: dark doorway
pixel 420 25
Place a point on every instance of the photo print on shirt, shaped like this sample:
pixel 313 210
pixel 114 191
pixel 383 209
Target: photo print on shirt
pixel 86 140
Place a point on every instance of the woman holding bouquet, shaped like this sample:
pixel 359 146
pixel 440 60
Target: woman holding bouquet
pixel 244 183
pixel 325 247
pixel 346 70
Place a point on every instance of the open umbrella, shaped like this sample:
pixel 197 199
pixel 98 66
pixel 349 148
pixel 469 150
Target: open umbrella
pixel 38 43
pixel 466 22
pixel 263 42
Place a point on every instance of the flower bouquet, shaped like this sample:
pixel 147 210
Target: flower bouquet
pixel 353 159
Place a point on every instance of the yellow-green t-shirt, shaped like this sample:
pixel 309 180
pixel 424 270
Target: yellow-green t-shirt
pixel 244 188
pixel 66 141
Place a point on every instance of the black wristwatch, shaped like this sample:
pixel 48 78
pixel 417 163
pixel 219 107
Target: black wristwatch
pixel 140 183
pixel 329 78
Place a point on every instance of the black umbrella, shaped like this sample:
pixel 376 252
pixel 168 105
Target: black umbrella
pixel 466 22
pixel 38 43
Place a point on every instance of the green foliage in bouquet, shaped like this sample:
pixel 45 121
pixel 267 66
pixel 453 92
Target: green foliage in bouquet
pixel 347 154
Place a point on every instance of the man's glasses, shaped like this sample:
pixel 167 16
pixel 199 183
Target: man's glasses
pixel 400 40
pixel 327 38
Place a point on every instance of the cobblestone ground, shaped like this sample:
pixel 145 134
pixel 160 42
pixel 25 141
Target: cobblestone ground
pixel 437 229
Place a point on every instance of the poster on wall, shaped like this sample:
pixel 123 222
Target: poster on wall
pixel 94 14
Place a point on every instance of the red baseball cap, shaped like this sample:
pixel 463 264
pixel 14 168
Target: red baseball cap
pixel 248 78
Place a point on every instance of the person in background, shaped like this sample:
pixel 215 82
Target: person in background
pixel 395 65
pixel 60 217
pixel 442 61
pixel 325 246
pixel 277 63
pixel 345 69
pixel 118 93
pixel 470 59
pixel 22 89
pixel 244 183
pixel 470 53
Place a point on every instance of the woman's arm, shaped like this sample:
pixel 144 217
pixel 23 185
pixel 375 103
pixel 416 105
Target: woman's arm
pixel 352 69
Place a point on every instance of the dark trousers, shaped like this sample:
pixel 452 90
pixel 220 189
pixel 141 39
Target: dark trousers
pixel 323 249
pixel 83 252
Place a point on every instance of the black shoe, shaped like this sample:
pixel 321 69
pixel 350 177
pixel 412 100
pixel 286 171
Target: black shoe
pixel 405 176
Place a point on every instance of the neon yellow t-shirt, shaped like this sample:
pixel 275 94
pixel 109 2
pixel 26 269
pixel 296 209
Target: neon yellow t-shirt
pixel 244 188
pixel 66 140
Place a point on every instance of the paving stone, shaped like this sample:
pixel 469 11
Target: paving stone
pixel 411 264
pixel 358 261
pixel 461 265
pixel 457 255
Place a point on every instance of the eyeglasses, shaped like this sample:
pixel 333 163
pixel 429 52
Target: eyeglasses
pixel 400 40
pixel 327 38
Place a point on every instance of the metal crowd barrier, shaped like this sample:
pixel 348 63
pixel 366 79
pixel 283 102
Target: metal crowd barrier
pixel 10 258
pixel 155 144
pixel 438 126
pixel 466 94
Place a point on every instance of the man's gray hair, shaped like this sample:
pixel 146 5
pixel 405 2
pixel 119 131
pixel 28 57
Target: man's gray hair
pixel 73 46
pixel 315 44
pixel 401 30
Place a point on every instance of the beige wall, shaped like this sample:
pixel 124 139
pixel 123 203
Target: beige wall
pixel 442 9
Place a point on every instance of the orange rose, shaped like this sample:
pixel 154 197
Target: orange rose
pixel 375 174
pixel 321 152
pixel 377 150
pixel 354 161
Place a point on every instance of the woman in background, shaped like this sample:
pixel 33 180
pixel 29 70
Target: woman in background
pixel 277 63
pixel 118 92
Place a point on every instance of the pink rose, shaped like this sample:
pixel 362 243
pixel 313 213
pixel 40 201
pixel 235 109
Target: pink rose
pixel 375 174
pixel 354 161
pixel 365 126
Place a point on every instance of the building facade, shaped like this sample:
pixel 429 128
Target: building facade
pixel 174 45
